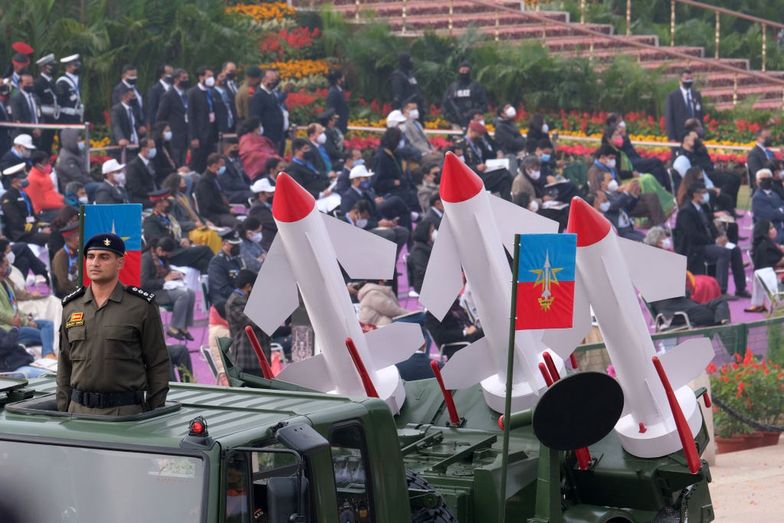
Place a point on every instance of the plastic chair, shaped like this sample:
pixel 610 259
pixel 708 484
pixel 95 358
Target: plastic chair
pixel 769 280
pixel 207 356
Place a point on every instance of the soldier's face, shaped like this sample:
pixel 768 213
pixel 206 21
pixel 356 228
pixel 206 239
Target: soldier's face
pixel 103 266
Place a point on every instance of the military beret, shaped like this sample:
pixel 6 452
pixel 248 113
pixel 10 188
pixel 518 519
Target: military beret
pixel 160 194
pixel 230 236
pixel 106 242
pixel 70 229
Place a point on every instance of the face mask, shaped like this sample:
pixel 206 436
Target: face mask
pixel 24 183
pixel 131 81
pixel 510 112
pixel 361 223
pixel 26 153
pixel 167 136
pixel 767 142
pixel 168 79
pixel 322 139
pixel 221 170
pixel 434 235
pixel 256 237
pixel 545 128
pixel 545 158
pixel 401 144
pixel 687 84
pixel 231 75
pixel 151 153
pixel 83 199
pixel 10 257
pixel 81 146
pixel 364 184
pixel 359 161
pixel 27 88
pixel 235 250
pixel 210 82
pixel 705 198
pixel 402 127
pixel 119 178
pixel 184 84
pixel 666 244
pixel 234 153
pixel 414 114
pixel 533 206
pixel 772 234
pixel 612 186
pixel 261 130
pixel 465 77
pixel 617 141
pixel 604 206
pixel 77 70
pixel 766 183
pixel 535 175
pixel 611 163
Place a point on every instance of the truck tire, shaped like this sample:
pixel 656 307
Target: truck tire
pixel 438 514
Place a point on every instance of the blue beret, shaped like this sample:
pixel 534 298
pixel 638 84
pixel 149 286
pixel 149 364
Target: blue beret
pixel 106 242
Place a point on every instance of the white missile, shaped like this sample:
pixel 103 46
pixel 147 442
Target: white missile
pixel 608 270
pixel 473 233
pixel 305 255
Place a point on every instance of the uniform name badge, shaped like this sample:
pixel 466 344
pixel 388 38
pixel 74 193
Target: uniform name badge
pixel 212 117
pixel 30 219
pixel 76 319
pixel 463 93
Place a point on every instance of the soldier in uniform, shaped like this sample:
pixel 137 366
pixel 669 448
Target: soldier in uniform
pixel 112 348
pixel 19 220
pixel 223 270
pixel 69 97
pixel 462 97
pixel 46 90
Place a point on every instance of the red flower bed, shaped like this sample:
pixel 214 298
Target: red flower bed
pixel 277 45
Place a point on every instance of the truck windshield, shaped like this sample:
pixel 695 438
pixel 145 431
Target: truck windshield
pixel 49 483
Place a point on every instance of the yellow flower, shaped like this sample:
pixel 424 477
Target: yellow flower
pixel 266 11
pixel 298 68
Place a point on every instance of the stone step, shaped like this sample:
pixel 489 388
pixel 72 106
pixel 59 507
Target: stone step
pixel 676 65
pixel 762 105
pixel 387 9
pixel 568 44
pixel 723 79
pixel 515 32
pixel 440 21
pixel 760 91
pixel 639 55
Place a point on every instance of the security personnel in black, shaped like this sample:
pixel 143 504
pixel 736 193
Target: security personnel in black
pixel 69 96
pixel 223 271
pixel 19 220
pixel 463 96
pixel 46 89
pixel 112 349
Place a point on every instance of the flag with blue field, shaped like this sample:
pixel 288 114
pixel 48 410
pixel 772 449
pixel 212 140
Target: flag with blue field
pixel 124 220
pixel 545 281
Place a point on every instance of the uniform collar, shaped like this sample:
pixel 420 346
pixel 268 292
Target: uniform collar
pixel 116 295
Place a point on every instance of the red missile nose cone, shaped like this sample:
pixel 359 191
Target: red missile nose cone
pixel 291 202
pixel 587 223
pixel 458 182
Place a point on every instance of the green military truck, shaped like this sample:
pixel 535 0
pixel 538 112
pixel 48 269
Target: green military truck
pixel 269 451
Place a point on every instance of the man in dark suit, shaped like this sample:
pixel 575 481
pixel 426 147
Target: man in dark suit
pixel 262 210
pixel 766 204
pixel 128 82
pixel 683 103
pixel 304 172
pixel 436 211
pixel 388 213
pixel 336 99
pixel 761 156
pixel 225 110
pixel 405 87
pixel 268 108
pixel 213 206
pixel 126 130
pixel 202 119
pixel 111 189
pixel 174 109
pixel 25 105
pixel 46 90
pixel 20 152
pixel 153 100
pixel 140 174
pixel 317 154
pixel 19 220
pixel 5 116
pixel 697 238
pixel 477 151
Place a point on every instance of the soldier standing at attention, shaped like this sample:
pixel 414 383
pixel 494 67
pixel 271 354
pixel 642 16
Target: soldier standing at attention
pixel 112 348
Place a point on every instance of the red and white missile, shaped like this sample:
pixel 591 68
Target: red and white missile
pixel 305 256
pixel 609 269
pixel 471 238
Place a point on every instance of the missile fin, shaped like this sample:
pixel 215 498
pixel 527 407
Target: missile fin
pixel 393 343
pixel 311 373
pixel 274 296
pixel 564 341
pixel 512 219
pixel 469 366
pixel 364 255
pixel 443 277
pixel 687 361
pixel 658 274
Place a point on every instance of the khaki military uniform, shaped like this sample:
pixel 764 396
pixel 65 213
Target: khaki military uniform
pixel 115 350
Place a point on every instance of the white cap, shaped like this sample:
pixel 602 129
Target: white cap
pixel 262 185
pixel 360 171
pixel 45 60
pixel 111 166
pixel 14 170
pixel 69 59
pixel 24 139
pixel 395 118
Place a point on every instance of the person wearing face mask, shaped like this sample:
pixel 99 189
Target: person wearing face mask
pixel 255 149
pixel 616 203
pixel 5 116
pixel 387 212
pixel 126 129
pixel 681 104
pixel 478 150
pixel 20 152
pixel 112 189
pixel 267 106
pixel 697 238
pixel 155 93
pixel 251 252
pixel 202 120
pixel 75 195
pixel 418 257
pixel 192 229
pixel 163 160
pixel 72 161
pixel 128 81
pixel 335 141
pixel 507 133
pixel 225 112
pixel 25 104
pixel 140 175
pixel 65 263
pixel 223 271
pixel 431 174
pixel 43 195
pixel 69 86
pixel 404 85
pixel 210 200
pixel 246 90
pixel 723 188
pixel 234 183
pixel 336 98
pixel 174 110
pixel 20 222
pixel 728 182
pixel 761 156
pixel 766 204
pixel 463 96
pixel 414 132
pixel 45 88
pixel 766 253
pixel 317 153
pixel 630 162
pixel 305 172
pixel 538 131
pixel 261 211
pixel 392 177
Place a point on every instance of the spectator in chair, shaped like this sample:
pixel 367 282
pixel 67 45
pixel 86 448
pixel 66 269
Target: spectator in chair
pixel 234 182
pixel 256 150
pixel 431 173
pixel 391 178
pixel 616 203
pixel 21 257
pixel 223 271
pixel 362 215
pixel 65 264
pixel 20 222
pixel 478 151
pixel 251 252
pixel 184 211
pixel 42 192
pixel 507 133
pixel 765 253
pixel 261 210
pixel 424 237
pixel 334 146
pixel 213 205
pixel 72 160
pixel 761 156
pixel 112 189
pixel 241 350
pixel 727 182
pixel 305 172
pixel 140 175
pixel 390 208
pixel 413 131
pixel 767 204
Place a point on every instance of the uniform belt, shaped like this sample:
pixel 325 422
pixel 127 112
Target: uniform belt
pixel 48 110
pixel 71 111
pixel 103 400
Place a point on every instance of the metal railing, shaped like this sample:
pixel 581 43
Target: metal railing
pixel 54 127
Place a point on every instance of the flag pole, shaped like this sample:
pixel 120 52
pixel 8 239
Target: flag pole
pixel 509 378
pixel 80 267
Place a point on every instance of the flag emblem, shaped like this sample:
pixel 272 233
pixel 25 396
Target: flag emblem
pixel 545 281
